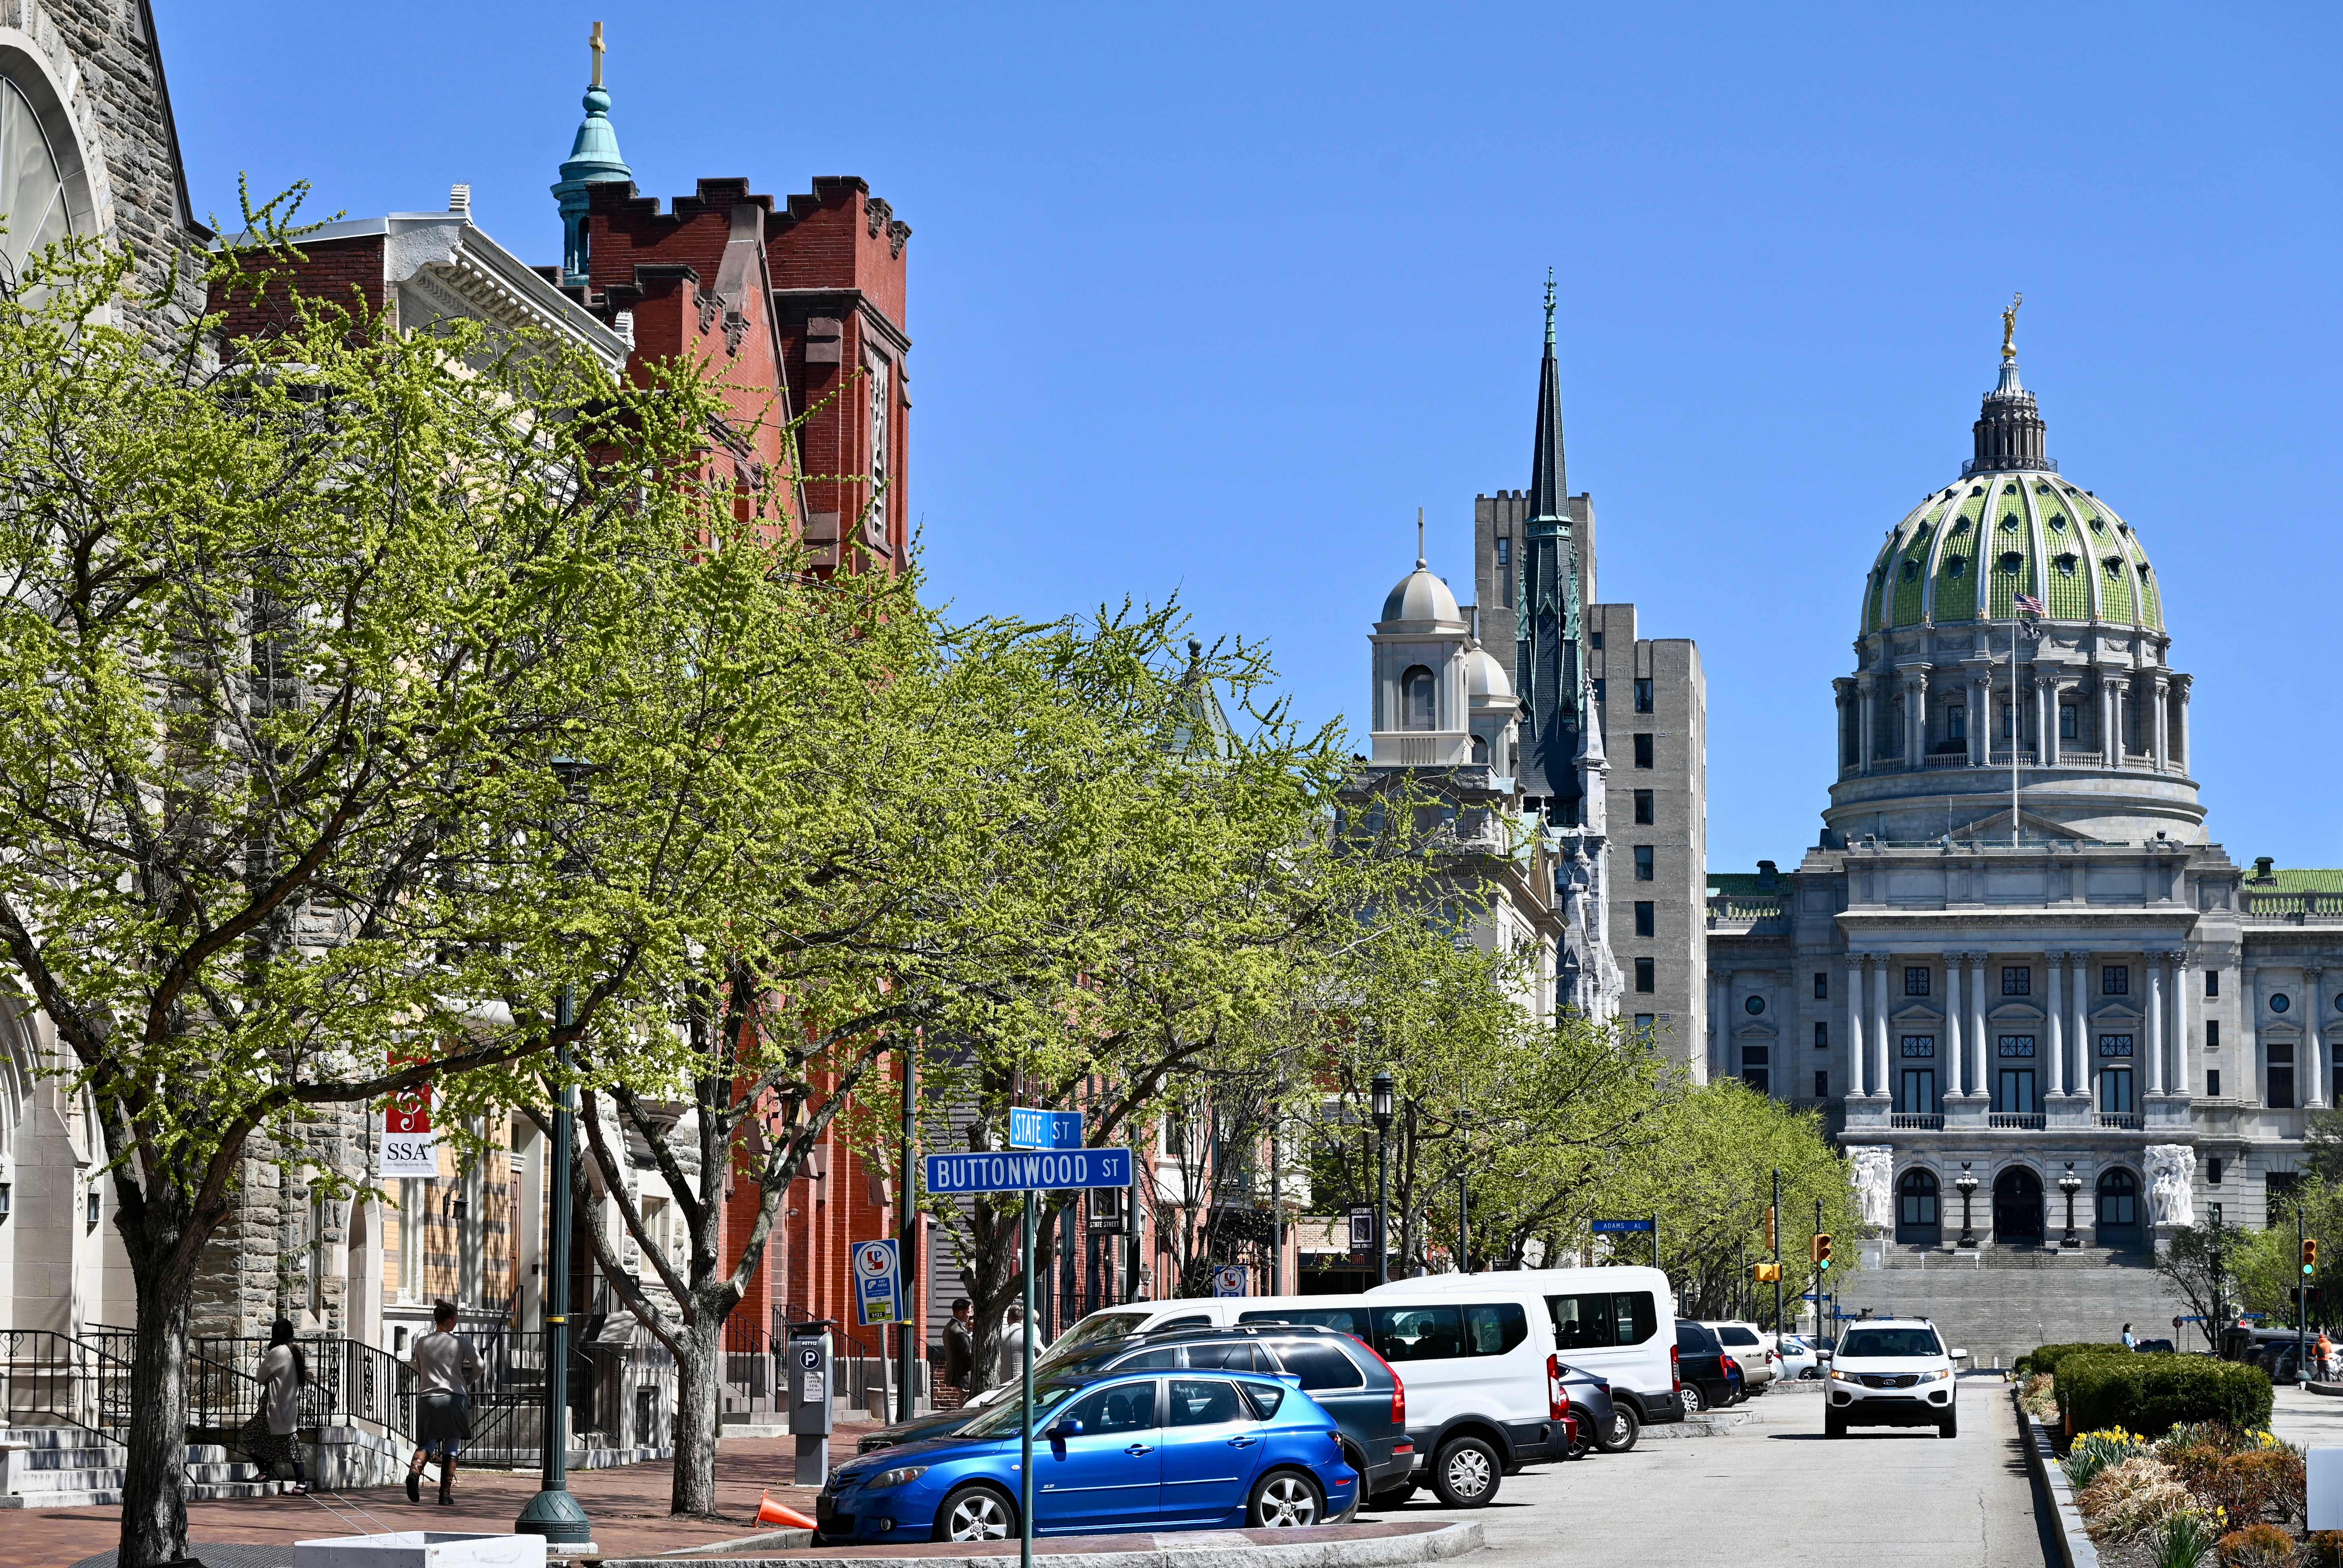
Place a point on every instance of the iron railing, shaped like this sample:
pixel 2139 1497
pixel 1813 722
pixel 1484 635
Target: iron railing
pixel 49 1379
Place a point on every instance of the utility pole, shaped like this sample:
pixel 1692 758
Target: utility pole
pixel 1776 1221
pixel 906 1258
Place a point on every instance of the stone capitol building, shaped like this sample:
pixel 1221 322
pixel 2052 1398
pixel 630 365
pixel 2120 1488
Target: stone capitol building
pixel 2017 957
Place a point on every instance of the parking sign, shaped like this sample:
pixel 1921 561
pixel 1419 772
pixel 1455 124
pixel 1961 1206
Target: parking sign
pixel 1230 1279
pixel 877 1283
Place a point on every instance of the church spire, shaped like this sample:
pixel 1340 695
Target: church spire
pixel 1549 486
pixel 594 159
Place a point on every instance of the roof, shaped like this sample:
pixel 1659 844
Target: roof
pixel 1748 882
pixel 2299 880
pixel 1422 598
pixel 2037 533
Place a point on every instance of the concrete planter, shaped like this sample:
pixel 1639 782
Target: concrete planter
pixel 2075 1548
pixel 421 1549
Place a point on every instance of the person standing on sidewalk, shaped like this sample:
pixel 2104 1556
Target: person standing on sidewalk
pixel 2323 1351
pixel 1015 1333
pixel 2131 1340
pixel 960 1349
pixel 445 1366
pixel 283 1371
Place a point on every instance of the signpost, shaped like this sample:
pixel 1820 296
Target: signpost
pixel 1633 1227
pixel 1058 1166
pixel 877 1283
pixel 1231 1280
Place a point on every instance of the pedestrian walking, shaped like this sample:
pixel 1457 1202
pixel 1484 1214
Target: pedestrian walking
pixel 445 1366
pixel 273 1436
pixel 1015 1334
pixel 960 1350
pixel 2324 1350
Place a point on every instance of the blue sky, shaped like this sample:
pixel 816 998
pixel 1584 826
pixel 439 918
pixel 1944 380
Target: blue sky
pixel 1210 298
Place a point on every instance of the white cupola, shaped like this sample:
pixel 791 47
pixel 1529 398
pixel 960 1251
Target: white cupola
pixel 1423 701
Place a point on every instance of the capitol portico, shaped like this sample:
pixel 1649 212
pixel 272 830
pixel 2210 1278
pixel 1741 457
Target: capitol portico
pixel 2016 970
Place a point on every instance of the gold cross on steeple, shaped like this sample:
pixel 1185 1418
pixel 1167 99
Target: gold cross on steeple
pixel 597 45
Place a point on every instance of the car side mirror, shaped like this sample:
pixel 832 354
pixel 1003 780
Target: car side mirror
pixel 1064 1430
pixel 1960 1355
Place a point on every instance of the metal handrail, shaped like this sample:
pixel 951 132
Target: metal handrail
pixel 50 1379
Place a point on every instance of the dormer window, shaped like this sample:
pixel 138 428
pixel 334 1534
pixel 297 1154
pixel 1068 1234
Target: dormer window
pixel 2012 562
pixel 1911 570
pixel 1961 527
pixel 2114 565
pixel 2067 565
pixel 1956 566
pixel 2098 524
pixel 2057 524
pixel 2009 521
pixel 1976 489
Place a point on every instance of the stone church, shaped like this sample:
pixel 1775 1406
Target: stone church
pixel 2038 1001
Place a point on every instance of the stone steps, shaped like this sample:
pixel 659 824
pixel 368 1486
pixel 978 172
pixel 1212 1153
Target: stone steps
pixel 2006 1257
pixel 65 1467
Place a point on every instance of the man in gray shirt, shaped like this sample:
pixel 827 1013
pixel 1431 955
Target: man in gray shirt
pixel 445 1366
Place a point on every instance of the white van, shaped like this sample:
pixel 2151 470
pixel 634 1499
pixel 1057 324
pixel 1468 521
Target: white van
pixel 1618 1322
pixel 1472 1355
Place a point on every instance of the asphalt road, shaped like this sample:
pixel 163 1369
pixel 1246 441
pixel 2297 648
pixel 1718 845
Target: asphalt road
pixel 1772 1491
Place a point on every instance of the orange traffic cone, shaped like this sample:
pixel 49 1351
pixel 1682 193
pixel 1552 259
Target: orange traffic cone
pixel 771 1512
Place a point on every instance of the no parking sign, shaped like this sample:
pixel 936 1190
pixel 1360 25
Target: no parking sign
pixel 877 1283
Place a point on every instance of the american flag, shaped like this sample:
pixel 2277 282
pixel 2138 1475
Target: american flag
pixel 2030 604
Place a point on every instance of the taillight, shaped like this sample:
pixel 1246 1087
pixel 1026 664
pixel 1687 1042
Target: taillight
pixel 1557 1397
pixel 1676 1367
pixel 1399 1388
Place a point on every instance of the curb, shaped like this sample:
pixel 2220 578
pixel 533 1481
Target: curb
pixel 1190 1549
pixel 2075 1548
pixel 1707 1423
pixel 2331 1390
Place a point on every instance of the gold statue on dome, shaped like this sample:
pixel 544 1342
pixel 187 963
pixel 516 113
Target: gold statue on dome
pixel 2009 326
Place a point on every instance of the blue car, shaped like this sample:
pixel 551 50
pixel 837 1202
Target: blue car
pixel 1112 1452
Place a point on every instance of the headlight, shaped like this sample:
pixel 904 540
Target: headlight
pixel 901 1477
pixel 1934 1376
pixel 1837 1376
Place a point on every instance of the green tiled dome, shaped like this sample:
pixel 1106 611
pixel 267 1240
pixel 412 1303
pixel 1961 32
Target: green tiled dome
pixel 2028 532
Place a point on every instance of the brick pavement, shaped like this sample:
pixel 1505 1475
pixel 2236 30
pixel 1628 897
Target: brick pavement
pixel 628 1505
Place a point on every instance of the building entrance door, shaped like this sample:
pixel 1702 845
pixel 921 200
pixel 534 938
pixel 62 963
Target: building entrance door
pixel 2018 1205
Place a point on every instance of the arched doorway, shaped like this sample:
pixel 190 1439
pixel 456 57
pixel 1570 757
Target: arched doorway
pixel 1919 1215
pixel 2018 1205
pixel 2118 1209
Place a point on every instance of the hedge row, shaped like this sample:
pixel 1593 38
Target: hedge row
pixel 2045 1358
pixel 2151 1395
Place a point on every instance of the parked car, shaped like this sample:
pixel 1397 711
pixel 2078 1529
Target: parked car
pixel 1706 1370
pixel 1798 1360
pixel 1112 1452
pixel 1893 1371
pixel 1599 1423
pixel 1357 1387
pixel 1751 1347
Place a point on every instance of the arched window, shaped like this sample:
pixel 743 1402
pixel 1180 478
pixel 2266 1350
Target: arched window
pixel 1917 1216
pixel 33 195
pixel 1418 700
pixel 2118 1198
pixel 1480 751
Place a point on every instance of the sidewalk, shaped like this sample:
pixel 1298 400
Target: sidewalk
pixel 628 1505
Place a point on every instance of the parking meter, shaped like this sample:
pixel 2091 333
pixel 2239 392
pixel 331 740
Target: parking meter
pixel 809 1406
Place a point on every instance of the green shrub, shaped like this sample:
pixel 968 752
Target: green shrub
pixel 2045 1358
pixel 2151 1395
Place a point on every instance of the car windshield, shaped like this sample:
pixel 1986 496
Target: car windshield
pixel 1859 1344
pixel 1095 1329
pixel 1002 1421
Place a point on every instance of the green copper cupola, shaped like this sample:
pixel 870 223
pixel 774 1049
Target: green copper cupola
pixel 593 159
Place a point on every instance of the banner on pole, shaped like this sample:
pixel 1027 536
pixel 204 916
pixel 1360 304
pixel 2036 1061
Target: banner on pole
pixel 409 1147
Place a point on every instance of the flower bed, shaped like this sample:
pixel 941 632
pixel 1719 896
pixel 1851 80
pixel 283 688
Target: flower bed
pixel 2199 1495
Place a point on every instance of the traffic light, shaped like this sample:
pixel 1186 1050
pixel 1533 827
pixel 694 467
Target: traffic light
pixel 2309 1256
pixel 1766 1273
pixel 1822 1250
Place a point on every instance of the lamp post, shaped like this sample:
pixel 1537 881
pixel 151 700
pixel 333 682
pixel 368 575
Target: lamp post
pixel 1465 1195
pixel 1966 1185
pixel 1379 1105
pixel 2070 1184
pixel 553 1512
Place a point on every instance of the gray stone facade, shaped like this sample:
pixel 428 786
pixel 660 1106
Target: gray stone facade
pixel 2015 956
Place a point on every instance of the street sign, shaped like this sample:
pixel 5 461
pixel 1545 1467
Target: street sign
pixel 1070 1170
pixel 1230 1279
pixel 1363 1230
pixel 1032 1128
pixel 1605 1226
pixel 877 1283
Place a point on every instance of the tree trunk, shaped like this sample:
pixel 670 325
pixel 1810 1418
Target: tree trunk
pixel 698 1370
pixel 155 1484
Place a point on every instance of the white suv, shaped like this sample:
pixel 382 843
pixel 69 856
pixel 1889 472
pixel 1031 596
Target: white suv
pixel 1752 1347
pixel 1892 1372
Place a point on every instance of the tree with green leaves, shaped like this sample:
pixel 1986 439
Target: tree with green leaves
pixel 295 641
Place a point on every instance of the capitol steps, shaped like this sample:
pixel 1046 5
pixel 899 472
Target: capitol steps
pixel 1999 1302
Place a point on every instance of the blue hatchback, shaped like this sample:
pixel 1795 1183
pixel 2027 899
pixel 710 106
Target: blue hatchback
pixel 1112 1452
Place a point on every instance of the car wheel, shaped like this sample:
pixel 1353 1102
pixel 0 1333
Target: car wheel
pixel 976 1512
pixel 1834 1424
pixel 1624 1430
pixel 1466 1473
pixel 1582 1422
pixel 1951 1425
pixel 1284 1500
pixel 1694 1401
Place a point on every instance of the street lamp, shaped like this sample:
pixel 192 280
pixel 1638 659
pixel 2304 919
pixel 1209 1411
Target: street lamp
pixel 1379 1105
pixel 1967 1186
pixel 554 1513
pixel 2070 1184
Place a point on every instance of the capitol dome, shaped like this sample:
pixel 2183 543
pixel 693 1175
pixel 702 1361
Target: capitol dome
pixel 2025 531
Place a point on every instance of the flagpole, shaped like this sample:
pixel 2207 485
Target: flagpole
pixel 2016 723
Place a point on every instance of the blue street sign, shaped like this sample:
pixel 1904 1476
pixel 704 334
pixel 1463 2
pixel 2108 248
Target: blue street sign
pixel 877 1283
pixel 1603 1225
pixel 1054 1172
pixel 1032 1128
